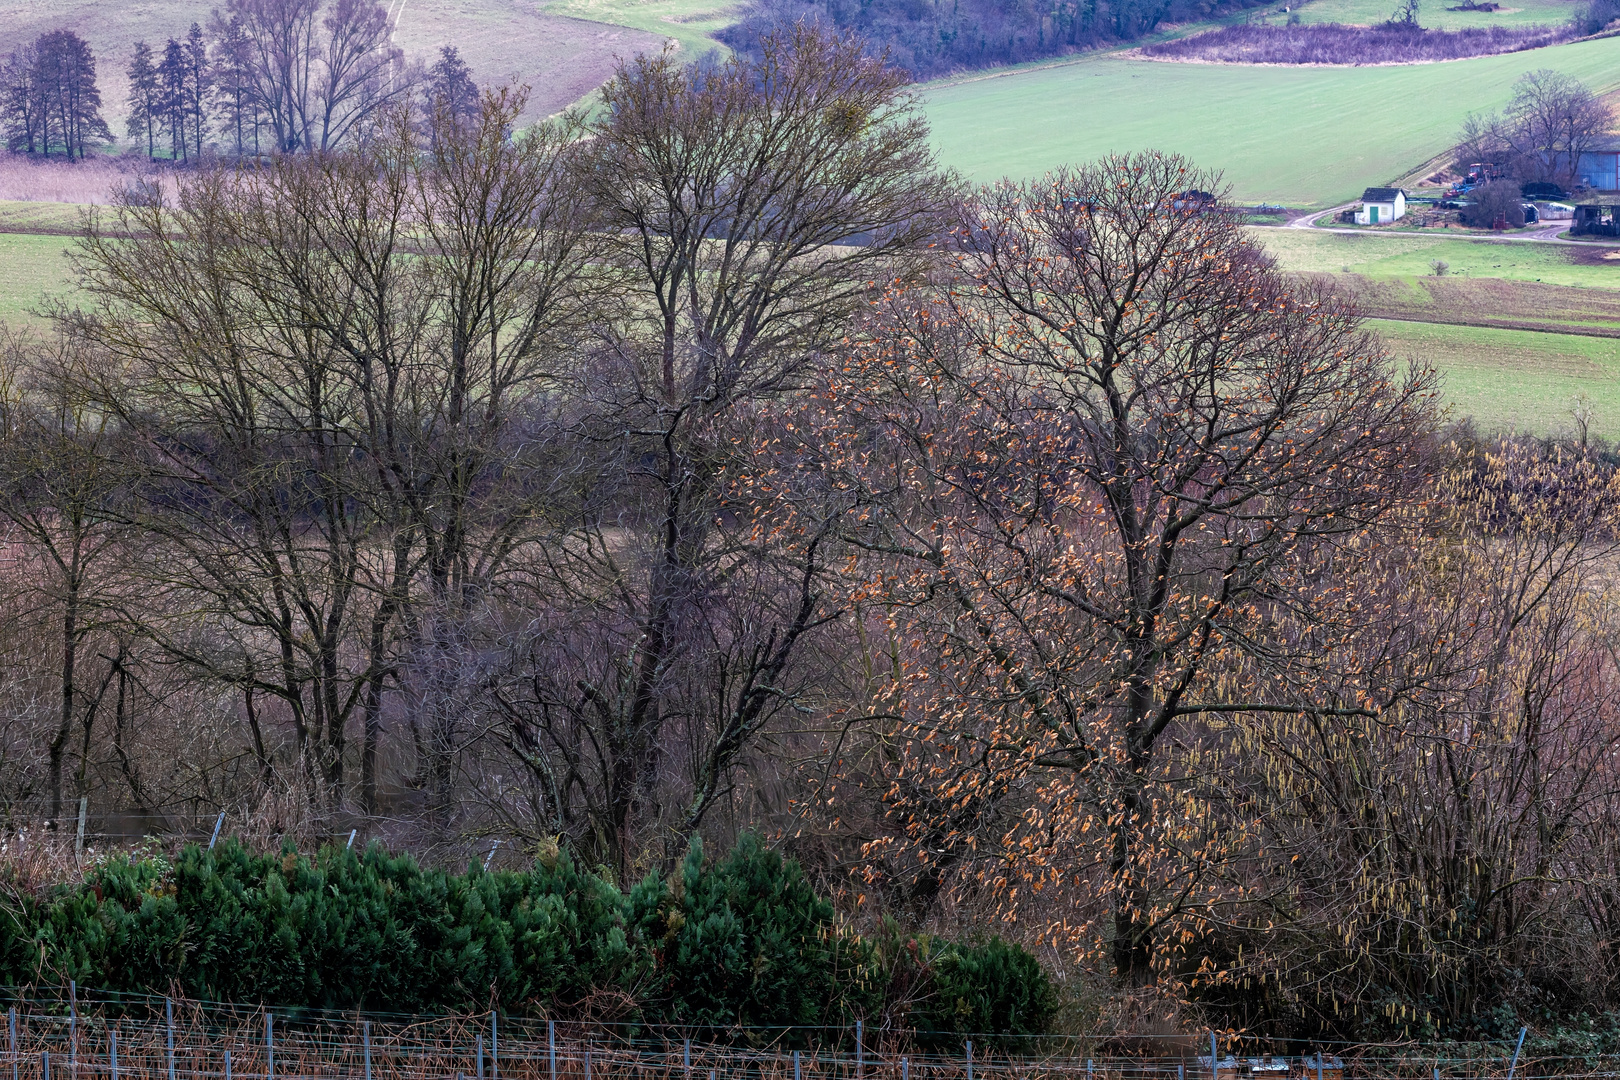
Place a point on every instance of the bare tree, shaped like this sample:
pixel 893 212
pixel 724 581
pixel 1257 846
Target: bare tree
pixel 321 72
pixel 753 205
pixel 327 368
pixel 1550 122
pixel 63 490
pixel 1088 473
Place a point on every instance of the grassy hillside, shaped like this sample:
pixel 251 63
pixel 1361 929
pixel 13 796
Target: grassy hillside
pixel 561 58
pixel 1299 136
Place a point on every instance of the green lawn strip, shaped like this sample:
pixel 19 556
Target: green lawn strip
pixel 1513 380
pixel 1301 136
pixel 1411 255
pixel 690 22
pixel 32 267
pixel 1433 13
pixel 41 217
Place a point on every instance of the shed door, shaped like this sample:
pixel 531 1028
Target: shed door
pixel 1372 214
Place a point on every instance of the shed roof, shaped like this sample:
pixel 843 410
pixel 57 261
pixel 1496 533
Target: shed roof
pixel 1382 194
pixel 1607 144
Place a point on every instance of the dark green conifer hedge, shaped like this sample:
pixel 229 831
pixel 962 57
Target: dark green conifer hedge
pixel 741 942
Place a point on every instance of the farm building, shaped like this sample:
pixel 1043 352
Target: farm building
pixel 1381 205
pixel 1599 167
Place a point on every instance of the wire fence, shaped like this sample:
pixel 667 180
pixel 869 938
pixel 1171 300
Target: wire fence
pixel 78 1036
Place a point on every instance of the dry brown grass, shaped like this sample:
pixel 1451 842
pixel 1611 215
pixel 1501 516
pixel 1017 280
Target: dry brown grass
pixel 54 180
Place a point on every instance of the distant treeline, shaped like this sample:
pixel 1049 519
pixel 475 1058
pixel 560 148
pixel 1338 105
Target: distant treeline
pixel 1333 43
pixel 935 37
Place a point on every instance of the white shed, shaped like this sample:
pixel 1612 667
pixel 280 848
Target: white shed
pixel 1381 205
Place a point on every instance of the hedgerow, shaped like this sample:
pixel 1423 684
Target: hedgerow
pixel 743 941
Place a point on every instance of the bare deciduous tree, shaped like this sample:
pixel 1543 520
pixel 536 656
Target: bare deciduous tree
pixel 1089 471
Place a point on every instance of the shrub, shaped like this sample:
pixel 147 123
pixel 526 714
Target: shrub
pixel 1331 43
pixel 1500 199
pixel 745 941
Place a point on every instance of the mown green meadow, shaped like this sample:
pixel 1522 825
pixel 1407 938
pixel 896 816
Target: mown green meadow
pixel 1433 14
pixel 1301 136
pixel 1512 380
pixel 32 268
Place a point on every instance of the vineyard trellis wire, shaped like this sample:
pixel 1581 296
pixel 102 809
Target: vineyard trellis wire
pixel 77 1035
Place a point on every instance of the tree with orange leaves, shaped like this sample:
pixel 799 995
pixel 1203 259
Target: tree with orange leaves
pixel 1092 472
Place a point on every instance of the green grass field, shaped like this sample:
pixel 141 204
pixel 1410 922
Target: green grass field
pixel 31 269
pixel 690 22
pixel 1433 13
pixel 1508 380
pixel 1306 136
pixel 1408 255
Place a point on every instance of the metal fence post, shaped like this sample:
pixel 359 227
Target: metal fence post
pixel 686 1059
pixel 45 1064
pixel 860 1052
pixel 227 1065
pixel 479 1052
pixel 551 1046
pixel 1215 1061
pixel 269 1046
pixel 1516 1050
pixel 494 1045
pixel 905 1069
pixel 11 1021
pixel 795 1065
pixel 73 1025
pixel 365 1046
pixel 1088 1069
pixel 587 1055
pixel 970 1059
pixel 168 1022
pixel 1319 1056
pixel 112 1053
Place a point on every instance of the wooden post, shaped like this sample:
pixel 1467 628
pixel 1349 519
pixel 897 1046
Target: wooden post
pixel 78 840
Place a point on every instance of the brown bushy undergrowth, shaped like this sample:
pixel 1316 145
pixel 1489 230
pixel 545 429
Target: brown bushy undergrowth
pixel 1334 43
